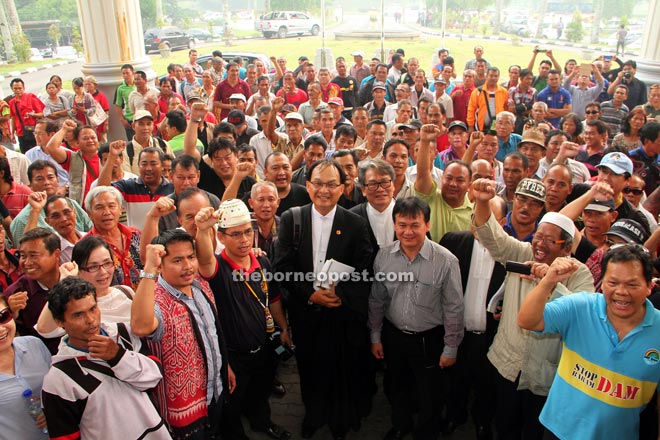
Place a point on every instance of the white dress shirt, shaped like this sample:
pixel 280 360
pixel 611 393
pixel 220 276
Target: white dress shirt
pixel 321 230
pixel 382 224
pixel 476 290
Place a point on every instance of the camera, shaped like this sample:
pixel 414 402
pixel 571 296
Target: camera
pixel 283 352
pixel 627 75
pixel 514 266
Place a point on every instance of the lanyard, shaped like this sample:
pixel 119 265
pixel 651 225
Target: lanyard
pixel 270 325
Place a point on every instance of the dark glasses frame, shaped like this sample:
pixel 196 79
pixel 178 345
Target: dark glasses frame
pixel 5 316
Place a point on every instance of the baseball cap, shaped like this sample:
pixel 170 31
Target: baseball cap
pixel 238 96
pixel 193 96
pixel 236 117
pixel 233 213
pixel 533 136
pixel 288 108
pixel 295 116
pixel 336 101
pixel 531 188
pixel 141 114
pixel 440 80
pixel 379 85
pixel 459 124
pixel 358 53
pixel 600 206
pixel 629 230
pixel 561 221
pixel 415 124
pixel 619 163
pixel 302 58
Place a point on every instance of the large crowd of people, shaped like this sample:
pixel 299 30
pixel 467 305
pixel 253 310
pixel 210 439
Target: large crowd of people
pixel 488 243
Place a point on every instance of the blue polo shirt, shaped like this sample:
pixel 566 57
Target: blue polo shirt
pixel 508 228
pixel 507 147
pixel 555 100
pixel 602 384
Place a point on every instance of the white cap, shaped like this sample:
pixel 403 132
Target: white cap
pixel 561 221
pixel 233 213
pixel 358 53
pixel 238 96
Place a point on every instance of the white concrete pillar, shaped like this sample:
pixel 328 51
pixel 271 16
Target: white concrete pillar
pixel 112 36
pixel 648 64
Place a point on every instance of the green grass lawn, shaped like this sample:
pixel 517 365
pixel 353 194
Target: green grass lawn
pixel 498 53
pixel 6 68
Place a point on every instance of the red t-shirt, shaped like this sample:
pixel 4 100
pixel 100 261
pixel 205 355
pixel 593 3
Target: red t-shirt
pixel 27 104
pixel 294 98
pixel 224 90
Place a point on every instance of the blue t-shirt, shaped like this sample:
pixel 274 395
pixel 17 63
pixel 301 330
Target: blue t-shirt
pixel 602 384
pixel 555 100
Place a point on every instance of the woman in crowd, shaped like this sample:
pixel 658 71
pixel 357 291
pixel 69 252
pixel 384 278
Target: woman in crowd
pixel 82 104
pixel 10 270
pixel 104 204
pixel 57 108
pixel 92 261
pixel 91 87
pixel 572 125
pixel 24 361
pixel 632 123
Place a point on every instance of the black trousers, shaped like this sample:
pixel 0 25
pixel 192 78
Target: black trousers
pixel 211 432
pixel 254 380
pixel 517 414
pixel 413 362
pixel 27 141
pixel 473 371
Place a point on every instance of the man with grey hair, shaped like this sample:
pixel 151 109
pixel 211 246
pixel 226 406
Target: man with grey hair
pixel 376 180
pixel 505 123
pixel 264 201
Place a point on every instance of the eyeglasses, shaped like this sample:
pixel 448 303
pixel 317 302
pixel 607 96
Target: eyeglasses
pixel 373 186
pixel 330 185
pixel 524 200
pixel 237 235
pixel 95 267
pixel 634 191
pixel 548 241
pixel 5 316
pixel 592 112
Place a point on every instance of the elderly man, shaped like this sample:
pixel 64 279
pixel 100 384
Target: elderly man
pixel 329 320
pixel 289 143
pixel 533 147
pixel 264 202
pixel 417 337
pixel 521 358
pixel 450 207
pixel 376 180
pixel 505 123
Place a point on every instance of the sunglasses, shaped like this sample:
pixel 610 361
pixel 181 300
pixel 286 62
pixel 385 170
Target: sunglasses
pixel 635 191
pixel 592 112
pixel 5 316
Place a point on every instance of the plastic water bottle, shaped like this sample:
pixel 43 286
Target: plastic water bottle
pixel 34 406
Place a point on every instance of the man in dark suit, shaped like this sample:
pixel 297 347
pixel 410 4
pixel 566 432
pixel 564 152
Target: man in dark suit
pixel 376 179
pixel 481 278
pixel 329 324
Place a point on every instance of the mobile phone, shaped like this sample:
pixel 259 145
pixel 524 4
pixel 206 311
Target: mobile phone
pixel 514 266
pixel 607 57
pixel 541 50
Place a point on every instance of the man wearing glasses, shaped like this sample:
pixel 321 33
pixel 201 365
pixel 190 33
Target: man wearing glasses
pixel 376 179
pixel 249 307
pixel 523 360
pixel 328 322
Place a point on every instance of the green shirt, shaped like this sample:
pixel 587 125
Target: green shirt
pixel 176 144
pixel 83 223
pixel 121 99
pixel 444 218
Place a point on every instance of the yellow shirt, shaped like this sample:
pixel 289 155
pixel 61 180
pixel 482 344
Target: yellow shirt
pixel 444 218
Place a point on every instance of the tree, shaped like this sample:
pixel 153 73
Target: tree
pixel 77 41
pixel 22 47
pixel 574 29
pixel 55 34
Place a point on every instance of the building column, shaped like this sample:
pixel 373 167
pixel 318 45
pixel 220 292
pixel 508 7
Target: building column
pixel 112 36
pixel 648 64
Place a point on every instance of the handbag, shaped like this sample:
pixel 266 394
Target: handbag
pixel 98 117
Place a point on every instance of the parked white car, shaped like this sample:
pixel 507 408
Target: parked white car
pixel 283 23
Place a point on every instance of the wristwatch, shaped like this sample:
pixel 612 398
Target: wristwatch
pixel 150 276
pixel 199 121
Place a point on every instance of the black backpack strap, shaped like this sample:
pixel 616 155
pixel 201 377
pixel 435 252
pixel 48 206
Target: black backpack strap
pixel 296 212
pixel 130 151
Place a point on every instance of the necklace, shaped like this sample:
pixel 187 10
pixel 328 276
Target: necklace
pixel 270 324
